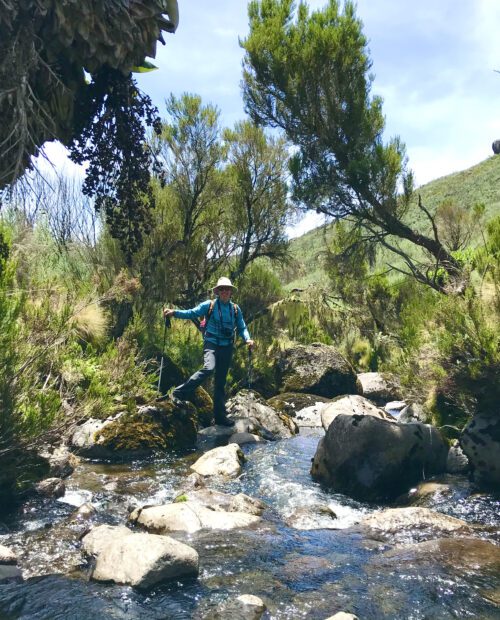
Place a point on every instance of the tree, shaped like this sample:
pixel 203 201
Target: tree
pixel 309 75
pixel 259 202
pixel 223 205
pixel 46 48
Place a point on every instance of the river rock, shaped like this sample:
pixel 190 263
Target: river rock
pixel 51 487
pixel 315 369
pixel 216 500
pixel 459 555
pixel 84 439
pixel 394 520
pixel 312 518
pixel 10 573
pixel 379 387
pixel 244 607
pixel 457 462
pixel 395 407
pixel 480 442
pixel 62 462
pixel 7 556
pixel 373 459
pixel 342 615
pixel 293 402
pixel 412 413
pixel 258 418
pixel 150 429
pixel 189 517
pixel 243 438
pixel 351 405
pixel 138 559
pixel 85 511
pixel 223 461
pixel 213 437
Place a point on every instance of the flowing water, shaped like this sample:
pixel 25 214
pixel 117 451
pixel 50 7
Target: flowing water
pixel 301 560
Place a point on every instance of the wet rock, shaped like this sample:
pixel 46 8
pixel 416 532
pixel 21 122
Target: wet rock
pixel 216 500
pixel 150 429
pixel 257 417
pixel 138 559
pixel 223 461
pixel 84 439
pixel 51 487
pixel 315 369
pixel 460 555
pixel 457 462
pixel 480 442
pixel 193 481
pixel 213 437
pixel 243 438
pixel 61 461
pixel 85 511
pixel 351 405
pixel 413 413
pixel 244 607
pixel 342 615
pixel 7 556
pixel 293 402
pixel 10 573
pixel 379 387
pixel 395 407
pixel 373 459
pixel 189 517
pixel 395 520
pixel 312 518
pixel 427 492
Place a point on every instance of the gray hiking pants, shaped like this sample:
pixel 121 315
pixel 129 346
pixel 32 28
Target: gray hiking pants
pixel 215 358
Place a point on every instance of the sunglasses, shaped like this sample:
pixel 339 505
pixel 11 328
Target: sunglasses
pixel 224 288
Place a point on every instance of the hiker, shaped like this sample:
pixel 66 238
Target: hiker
pixel 222 319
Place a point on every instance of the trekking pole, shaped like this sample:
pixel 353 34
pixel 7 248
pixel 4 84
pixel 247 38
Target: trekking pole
pixel 166 326
pixel 249 372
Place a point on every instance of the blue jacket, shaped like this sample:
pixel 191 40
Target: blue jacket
pixel 214 329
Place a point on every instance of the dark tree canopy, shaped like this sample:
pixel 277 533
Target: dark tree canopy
pixel 309 74
pixel 46 48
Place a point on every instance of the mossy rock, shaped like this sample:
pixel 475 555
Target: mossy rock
pixel 151 429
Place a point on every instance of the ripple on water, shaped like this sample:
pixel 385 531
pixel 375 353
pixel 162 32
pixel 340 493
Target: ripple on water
pixel 299 573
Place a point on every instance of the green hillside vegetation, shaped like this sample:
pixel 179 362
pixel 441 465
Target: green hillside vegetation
pixel 479 184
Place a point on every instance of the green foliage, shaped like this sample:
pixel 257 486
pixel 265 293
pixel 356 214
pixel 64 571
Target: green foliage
pixel 308 73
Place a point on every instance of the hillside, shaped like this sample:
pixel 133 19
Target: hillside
pixel 478 184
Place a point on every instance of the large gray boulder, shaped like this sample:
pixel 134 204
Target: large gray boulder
pixel 379 387
pixel 138 559
pixel 253 415
pixel 316 369
pixel 189 517
pixel 372 459
pixel 352 405
pixel 395 520
pixel 223 461
pixel 480 442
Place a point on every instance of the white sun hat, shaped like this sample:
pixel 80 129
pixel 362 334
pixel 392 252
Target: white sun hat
pixel 223 282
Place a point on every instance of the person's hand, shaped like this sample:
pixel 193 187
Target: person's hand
pixel 250 344
pixel 168 312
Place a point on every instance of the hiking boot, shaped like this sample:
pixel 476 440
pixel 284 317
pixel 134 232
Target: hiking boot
pixel 225 421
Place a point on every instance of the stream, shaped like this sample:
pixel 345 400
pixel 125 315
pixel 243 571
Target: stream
pixel 302 563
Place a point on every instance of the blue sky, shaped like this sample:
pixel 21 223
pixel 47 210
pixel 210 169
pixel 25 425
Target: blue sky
pixel 433 63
